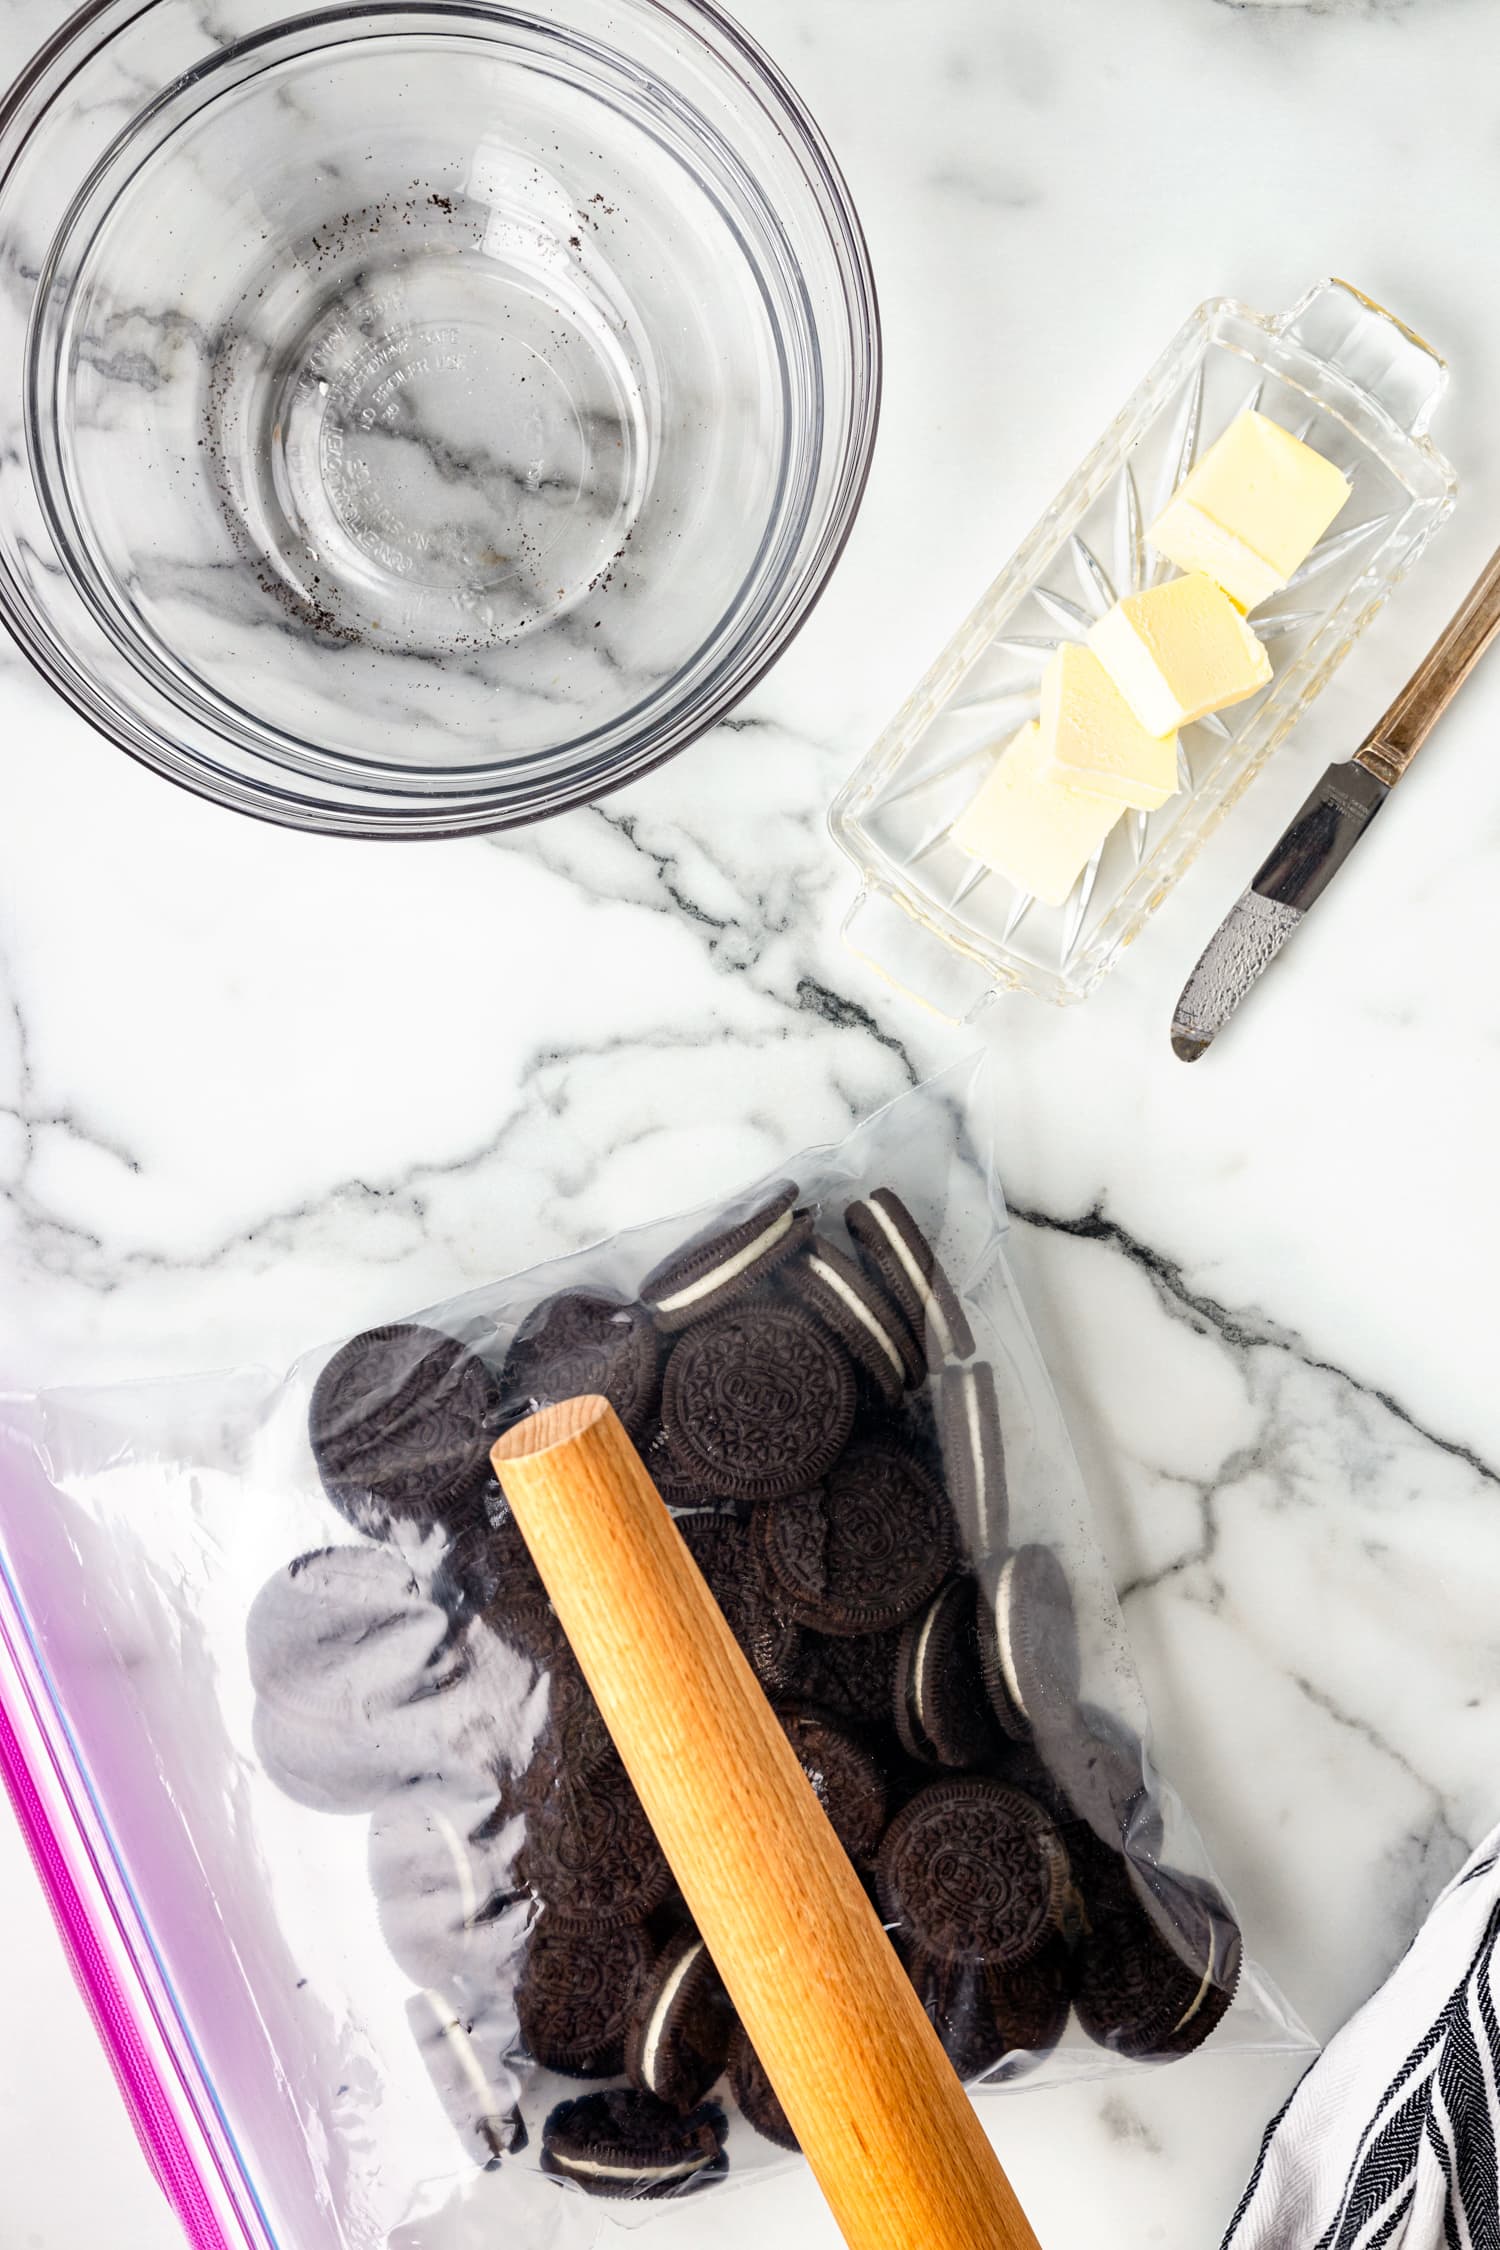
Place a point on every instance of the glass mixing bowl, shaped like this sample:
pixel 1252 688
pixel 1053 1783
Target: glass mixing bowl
pixel 418 419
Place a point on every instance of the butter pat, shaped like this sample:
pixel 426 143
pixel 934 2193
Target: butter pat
pixel 1252 511
pixel 1030 827
pixel 1179 651
pixel 1091 739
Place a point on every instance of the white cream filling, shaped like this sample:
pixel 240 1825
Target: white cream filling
pixel 1002 1634
pixel 656 2028
pixel 462 1871
pixel 919 1668
pixel 1202 1992
pixel 589 2168
pixel 919 1281
pixel 730 1270
pixel 462 2047
pixel 976 1453
pixel 860 1310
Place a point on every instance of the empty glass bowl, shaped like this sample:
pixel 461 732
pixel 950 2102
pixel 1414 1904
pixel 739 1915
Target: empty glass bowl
pixel 416 419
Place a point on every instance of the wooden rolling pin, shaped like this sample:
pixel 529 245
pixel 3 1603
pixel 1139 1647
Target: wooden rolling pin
pixel 887 2128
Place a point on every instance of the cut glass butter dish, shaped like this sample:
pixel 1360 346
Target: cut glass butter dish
pixel 1337 371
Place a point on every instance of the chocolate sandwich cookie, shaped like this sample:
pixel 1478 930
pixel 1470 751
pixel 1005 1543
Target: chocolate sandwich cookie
pixel 677 1486
pixel 995 2024
pixel 543 1715
pixel 853 1678
pixel 401 1424
pixel 768 1633
pixel 486 1569
pixel 624 2143
pixel 889 1239
pixel 942 1712
pixel 1101 1767
pixel 846 1776
pixel 720 1546
pixel 972 1871
pixel 721 1268
pixel 974 1457
pixel 591 1855
pixel 955 1999
pixel 480 2095
pixel 582 1344
pixel 679 2035
pixel 577 1993
pixel 1158 1967
pixel 857 1310
pixel 758 1402
pixel 1028 1640
pixel 758 2101
pixel 443 1876
pixel 349 1660
pixel 865 1550
pixel 1030 2006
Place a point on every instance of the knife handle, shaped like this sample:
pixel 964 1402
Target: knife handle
pixel 1396 739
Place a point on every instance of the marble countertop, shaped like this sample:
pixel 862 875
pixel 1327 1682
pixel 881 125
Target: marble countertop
pixel 257 1090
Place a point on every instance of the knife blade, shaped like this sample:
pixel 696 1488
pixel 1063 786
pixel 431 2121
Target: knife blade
pixel 1320 839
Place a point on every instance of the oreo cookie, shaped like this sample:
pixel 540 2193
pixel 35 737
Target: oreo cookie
pixel 846 1777
pixel 942 1711
pixel 577 1993
pixel 481 2100
pixel 1159 1965
pixel 624 2143
pixel 974 1456
pixel 679 2035
pixel 973 1871
pixel 995 2024
pixel 720 1546
pixel 758 1402
pixel 862 1316
pixel 865 1550
pixel 1101 1767
pixel 443 1876
pixel 723 1267
pixel 401 1423
pixel 771 1636
pixel 349 1660
pixel 1030 2005
pixel 894 1246
pixel 678 1487
pixel 591 1855
pixel 581 1344
pixel 758 2101
pixel 486 1570
pixel 546 1726
pixel 854 1678
pixel 1028 1641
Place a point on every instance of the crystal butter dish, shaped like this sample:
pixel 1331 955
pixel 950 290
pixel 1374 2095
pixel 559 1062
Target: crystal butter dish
pixel 1336 370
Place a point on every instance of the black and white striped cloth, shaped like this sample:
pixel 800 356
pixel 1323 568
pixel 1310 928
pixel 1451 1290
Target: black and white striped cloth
pixel 1392 2140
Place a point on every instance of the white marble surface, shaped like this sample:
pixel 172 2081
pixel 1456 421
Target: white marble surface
pixel 1266 1286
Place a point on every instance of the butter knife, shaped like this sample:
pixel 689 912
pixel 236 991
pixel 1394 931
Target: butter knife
pixel 1326 830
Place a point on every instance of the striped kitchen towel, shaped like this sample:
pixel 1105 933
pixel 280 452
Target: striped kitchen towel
pixel 1392 2140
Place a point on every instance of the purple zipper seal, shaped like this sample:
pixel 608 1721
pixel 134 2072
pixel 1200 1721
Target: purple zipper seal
pixel 83 1911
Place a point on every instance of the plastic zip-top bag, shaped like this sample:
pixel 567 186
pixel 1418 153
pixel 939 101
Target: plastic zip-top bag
pixel 368 1913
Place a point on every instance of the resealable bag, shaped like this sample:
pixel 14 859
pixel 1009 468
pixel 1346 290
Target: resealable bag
pixel 357 1890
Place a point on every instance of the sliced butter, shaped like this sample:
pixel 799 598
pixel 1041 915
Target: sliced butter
pixel 1032 828
pixel 1252 510
pixel 1091 739
pixel 1179 651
